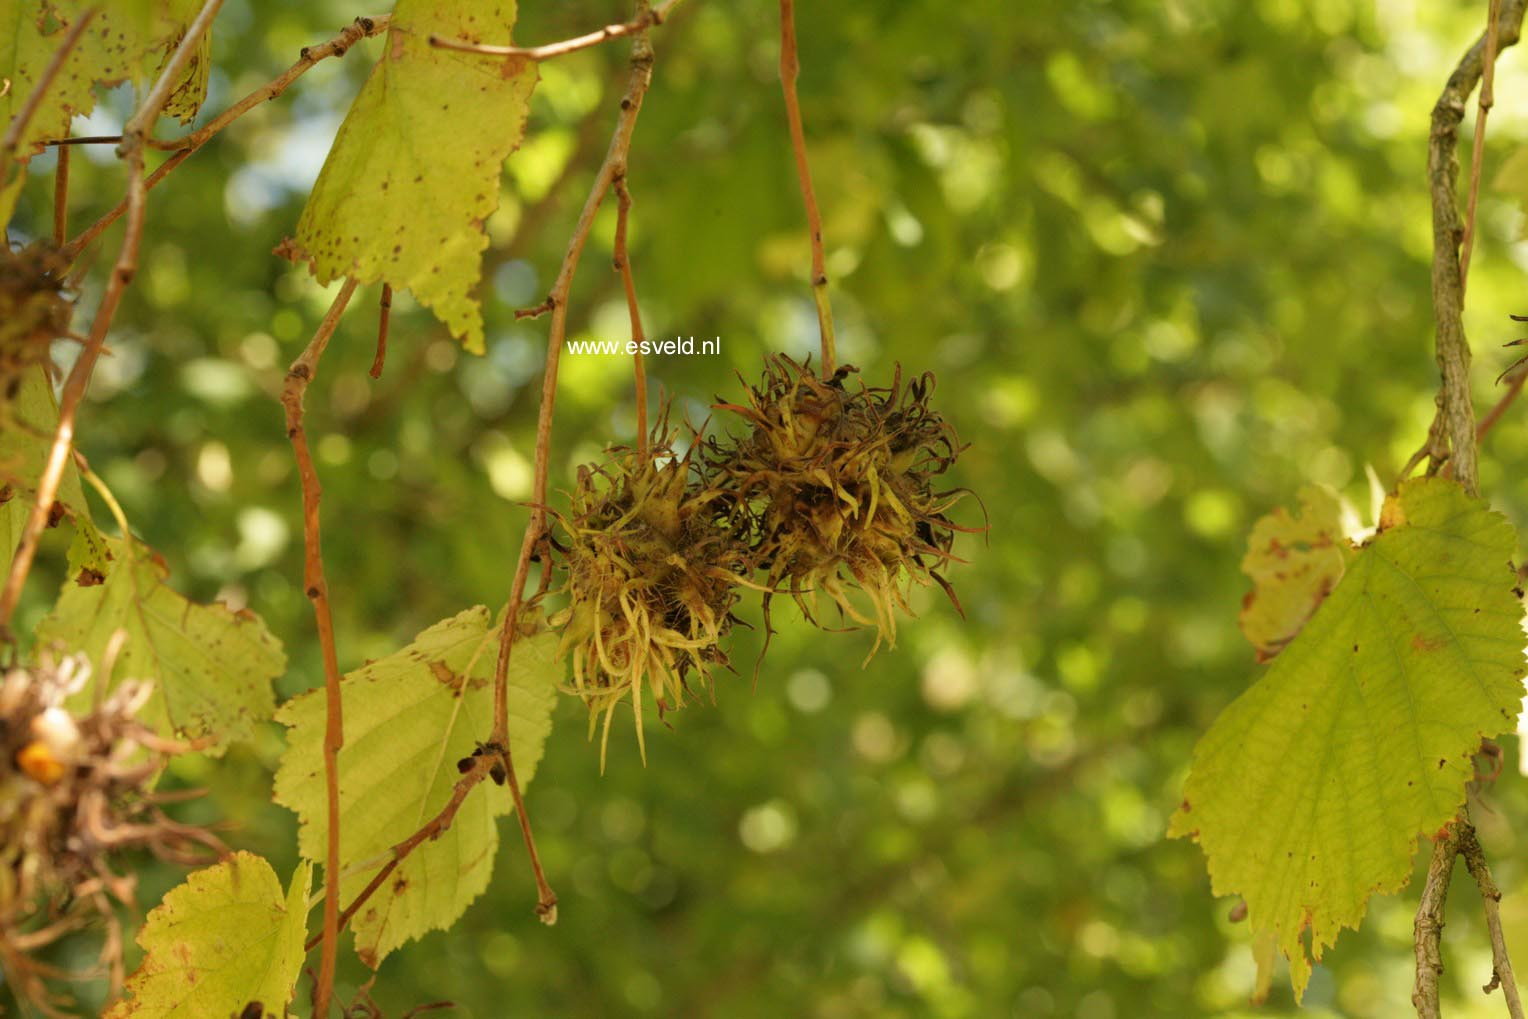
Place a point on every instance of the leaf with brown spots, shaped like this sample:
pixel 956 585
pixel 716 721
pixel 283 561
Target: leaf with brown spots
pixel 409 718
pixel 211 668
pixel 415 168
pixel 225 938
pixel 125 40
pixel 1311 790
pixel 1294 563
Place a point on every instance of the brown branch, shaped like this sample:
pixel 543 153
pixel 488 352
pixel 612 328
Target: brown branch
pixel 790 69
pixel 384 317
pixel 298 378
pixel 613 167
pixel 1490 897
pixel 645 19
pixel 122 273
pixel 1448 280
pixel 359 29
pixel 1477 155
pixel 61 199
pixel 1428 927
pixel 11 141
pixel 622 260
pixel 86 139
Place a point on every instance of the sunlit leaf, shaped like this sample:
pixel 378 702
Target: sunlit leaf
pixel 1310 791
pixel 409 718
pixel 226 937
pixel 211 667
pixel 415 168
pixel 125 40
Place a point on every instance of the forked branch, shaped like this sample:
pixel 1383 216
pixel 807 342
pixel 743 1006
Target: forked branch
pixel 645 19
pixel 613 168
pixel 183 147
pixel 298 378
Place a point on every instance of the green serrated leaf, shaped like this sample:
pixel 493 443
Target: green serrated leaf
pixel 415 168
pixel 26 436
pixel 226 937
pixel 1294 563
pixel 89 558
pixel 1310 791
pixel 126 39
pixel 408 719
pixel 211 667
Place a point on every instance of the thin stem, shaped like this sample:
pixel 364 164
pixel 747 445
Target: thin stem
pixel 86 139
pixel 790 69
pixel 61 199
pixel 359 29
pixel 1490 897
pixel 647 18
pixel 622 260
pixel 121 275
pixel 112 505
pixel 298 378
pixel 1487 100
pixel 557 301
pixel 384 316
pixel 11 141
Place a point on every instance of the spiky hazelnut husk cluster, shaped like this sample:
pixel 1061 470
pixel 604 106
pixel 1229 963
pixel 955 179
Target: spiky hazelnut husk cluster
pixel 654 558
pixel 843 481
pixel 831 489
pixel 34 309
pixel 75 791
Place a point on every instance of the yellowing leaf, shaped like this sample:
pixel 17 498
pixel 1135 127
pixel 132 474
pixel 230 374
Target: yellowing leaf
pixel 408 719
pixel 1294 563
pixel 26 433
pixel 1310 791
pixel 125 39
pixel 26 436
pixel 415 168
pixel 223 939
pixel 211 667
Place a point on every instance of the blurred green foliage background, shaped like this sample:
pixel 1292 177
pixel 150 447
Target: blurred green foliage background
pixel 1169 261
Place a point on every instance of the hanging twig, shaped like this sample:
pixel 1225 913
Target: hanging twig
pixel 122 273
pixel 1490 897
pixel 557 302
pixel 648 17
pixel 298 378
pixel 790 69
pixel 359 29
pixel 384 316
pixel 61 199
pixel 622 259
pixel 1477 155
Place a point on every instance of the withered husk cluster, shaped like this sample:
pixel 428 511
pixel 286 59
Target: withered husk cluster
pixel 831 490
pixel 34 310
pixel 75 792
